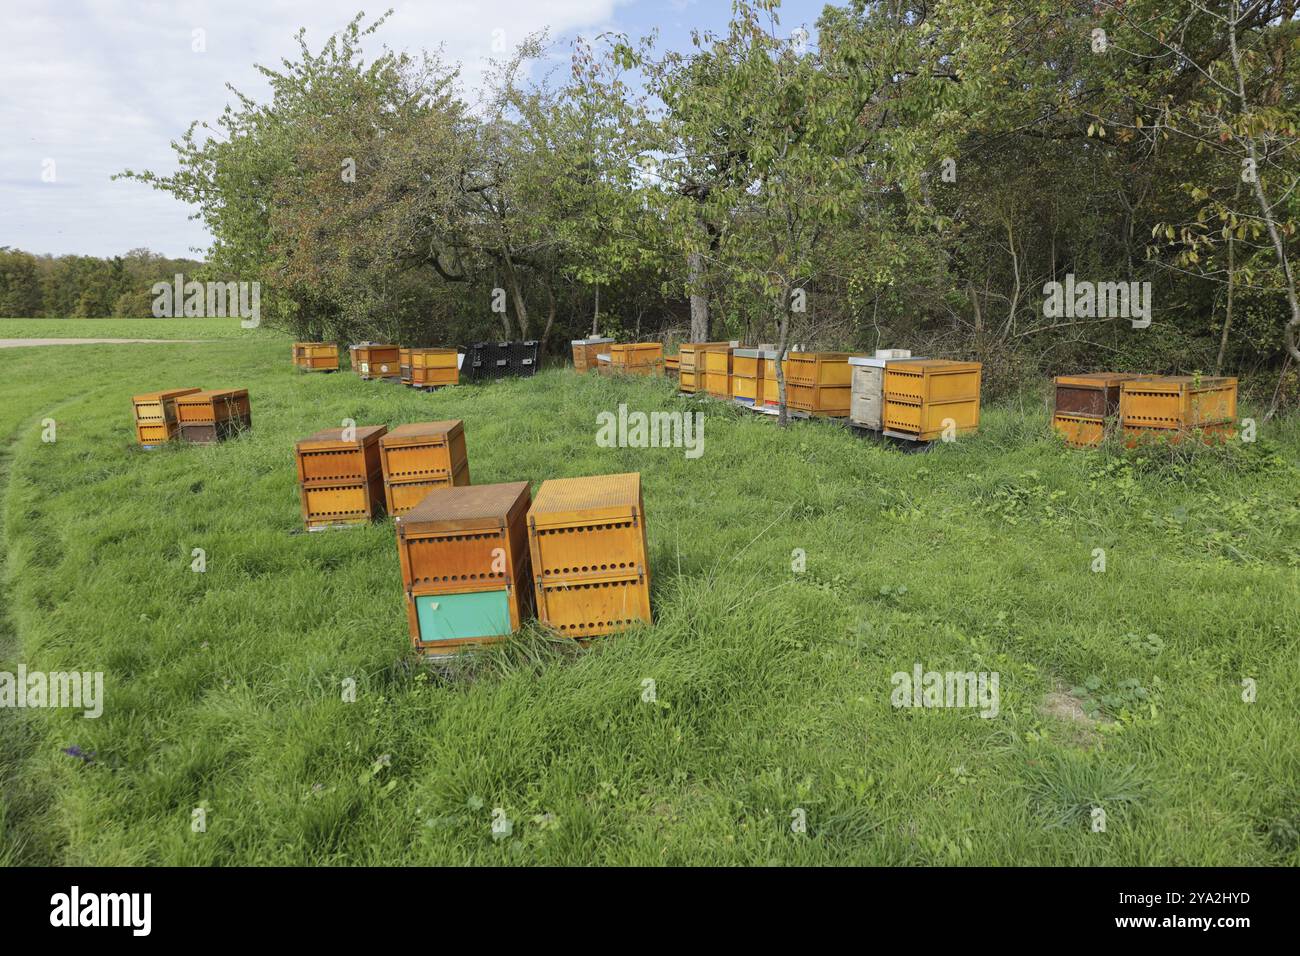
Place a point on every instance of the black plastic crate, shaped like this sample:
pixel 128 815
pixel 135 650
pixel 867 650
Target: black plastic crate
pixel 485 361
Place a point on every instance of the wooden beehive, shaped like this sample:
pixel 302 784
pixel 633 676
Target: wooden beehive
pixel 1178 403
pixel 637 358
pixel 420 456
pixel 819 383
pixel 587 540
pixel 1084 403
pixel 213 415
pixel 155 415
pixel 691 365
pixel 867 386
pixel 299 352
pixel 586 350
pixel 1079 431
pixel 717 372
pixel 603 364
pixel 747 376
pixel 404 365
pixel 867 391
pixel 340 476
pixel 372 360
pixel 922 394
pixel 434 368
pixel 319 357
pixel 1093 395
pixel 771 388
pixel 465 565
pixel 672 365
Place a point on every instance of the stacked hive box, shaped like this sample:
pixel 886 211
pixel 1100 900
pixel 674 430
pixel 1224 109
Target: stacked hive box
pixel 637 358
pixel 867 395
pixel 717 372
pixel 922 394
pixel 691 371
pixel 586 350
pixel 672 365
pixel 340 476
pixel 1084 403
pixel 371 360
pixel 299 349
pixel 155 415
pixel 421 456
pixel 747 376
pixel 465 566
pixel 603 364
pixel 404 364
pixel 1170 407
pixel 208 417
pixel 434 368
pixel 767 372
pixel 818 383
pixel 318 357
pixel 587 538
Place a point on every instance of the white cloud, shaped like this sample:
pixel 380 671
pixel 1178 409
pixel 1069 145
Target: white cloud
pixel 102 86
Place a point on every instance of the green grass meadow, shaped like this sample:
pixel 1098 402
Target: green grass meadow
pixel 1121 690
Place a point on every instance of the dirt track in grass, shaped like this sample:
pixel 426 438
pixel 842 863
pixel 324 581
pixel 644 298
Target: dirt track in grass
pixel 19 343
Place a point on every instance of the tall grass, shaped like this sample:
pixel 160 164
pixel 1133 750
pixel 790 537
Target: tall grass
pixel 772 688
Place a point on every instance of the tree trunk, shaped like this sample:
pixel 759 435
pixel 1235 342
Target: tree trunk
pixel 782 340
pixel 1227 319
pixel 550 315
pixel 521 308
pixel 699 301
pixel 1265 209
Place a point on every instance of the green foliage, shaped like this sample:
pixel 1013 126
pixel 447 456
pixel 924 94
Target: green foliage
pixel 914 174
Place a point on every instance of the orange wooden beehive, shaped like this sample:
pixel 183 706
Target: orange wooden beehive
pixel 747 376
pixel 155 415
pixel 717 372
pixel 1084 403
pixel 213 415
pixel 1171 407
pixel 372 360
pixel 418 457
pixel 404 365
pixel 340 476
pixel 922 394
pixel 586 350
pixel 819 383
pixel 320 357
pixel 767 366
pixel 587 539
pixel 637 358
pixel 465 565
pixel 434 368
pixel 691 367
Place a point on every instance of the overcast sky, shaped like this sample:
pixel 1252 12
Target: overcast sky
pixel 90 88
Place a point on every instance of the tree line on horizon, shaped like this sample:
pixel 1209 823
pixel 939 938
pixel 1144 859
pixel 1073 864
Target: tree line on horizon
pixel 87 287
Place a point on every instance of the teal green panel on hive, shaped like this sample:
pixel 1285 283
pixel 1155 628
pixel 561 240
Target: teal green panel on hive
pixel 446 617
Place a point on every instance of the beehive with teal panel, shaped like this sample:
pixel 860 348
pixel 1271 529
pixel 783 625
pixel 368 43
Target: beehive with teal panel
pixel 465 566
